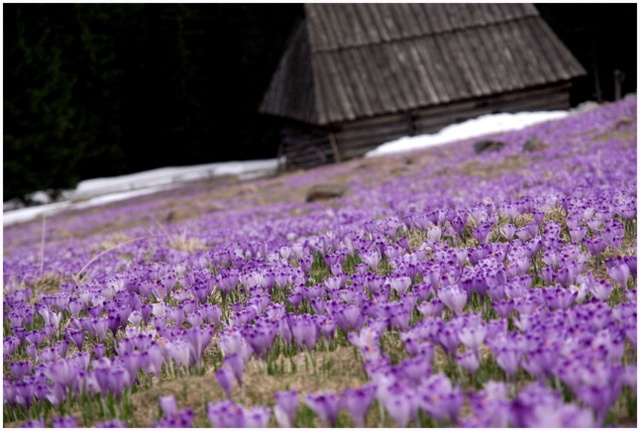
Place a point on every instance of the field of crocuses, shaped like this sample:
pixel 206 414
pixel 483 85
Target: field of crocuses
pixel 445 288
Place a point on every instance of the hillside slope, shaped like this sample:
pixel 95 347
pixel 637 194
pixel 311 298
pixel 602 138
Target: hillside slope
pixel 445 287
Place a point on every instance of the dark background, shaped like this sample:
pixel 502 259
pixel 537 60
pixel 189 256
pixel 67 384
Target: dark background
pixel 95 90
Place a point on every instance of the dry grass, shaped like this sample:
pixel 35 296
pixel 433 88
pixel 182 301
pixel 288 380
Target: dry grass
pixel 493 170
pixel 183 242
pixel 112 241
pixel 48 284
pixel 617 134
pixel 521 220
pixel 334 370
pixel 556 214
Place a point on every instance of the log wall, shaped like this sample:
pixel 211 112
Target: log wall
pixel 309 146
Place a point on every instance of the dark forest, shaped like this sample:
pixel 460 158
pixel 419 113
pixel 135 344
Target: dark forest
pixel 95 90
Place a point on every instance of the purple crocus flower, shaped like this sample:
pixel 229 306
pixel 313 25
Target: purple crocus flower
pixel 169 405
pixel 181 419
pixel 35 337
pixel 47 355
pixel 99 350
pixel 473 336
pixel 318 305
pixel 414 370
pixel 234 363
pixel 632 263
pixel 601 395
pixel 430 308
pixel 357 402
pixel 119 379
pixel 595 245
pixel 440 399
pixel 482 232
pixel 32 351
pixel 261 336
pixel 449 339
pixel 49 329
pixel 210 313
pixel 154 358
pixel 257 417
pixel 15 319
pixel 371 257
pixel 24 393
pixel 507 231
pixel 325 404
pixel 537 406
pixel 100 328
pixel 285 408
pixel 224 377
pixel 20 335
pixel 469 361
pixel 33 423
pixel 507 359
pixel 453 297
pixel 620 273
pixel 195 319
pixel 333 284
pixel 56 394
pixel 75 306
pixel 559 297
pixel 578 233
pixel 490 406
pixel 199 339
pixel 400 284
pixel 9 392
pixel 327 326
pixel 231 341
pixel 226 414
pixel 95 311
pixel 400 404
pixel 62 347
pixel 400 317
pixel 422 290
pixel 20 369
pixel 504 307
pixel 294 299
pixel 303 329
pixel 176 314
pixel 145 312
pixel 179 350
pixel 63 372
pixel 132 362
pixel 367 342
pixel 601 289
pixel 65 422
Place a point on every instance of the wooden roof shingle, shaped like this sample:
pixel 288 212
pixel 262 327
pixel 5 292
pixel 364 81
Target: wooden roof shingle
pixel 349 61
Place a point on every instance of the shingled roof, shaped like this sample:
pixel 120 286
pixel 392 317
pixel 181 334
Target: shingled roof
pixel 349 61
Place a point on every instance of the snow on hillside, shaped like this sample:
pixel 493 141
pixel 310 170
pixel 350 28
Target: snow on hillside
pixel 100 191
pixel 483 125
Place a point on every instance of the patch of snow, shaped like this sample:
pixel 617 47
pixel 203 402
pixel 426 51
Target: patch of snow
pixel 170 175
pixel 118 196
pixel 40 197
pixel 99 191
pixel 30 213
pixel 484 125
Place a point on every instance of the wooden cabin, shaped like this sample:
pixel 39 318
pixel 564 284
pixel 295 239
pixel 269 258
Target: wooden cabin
pixel 354 76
